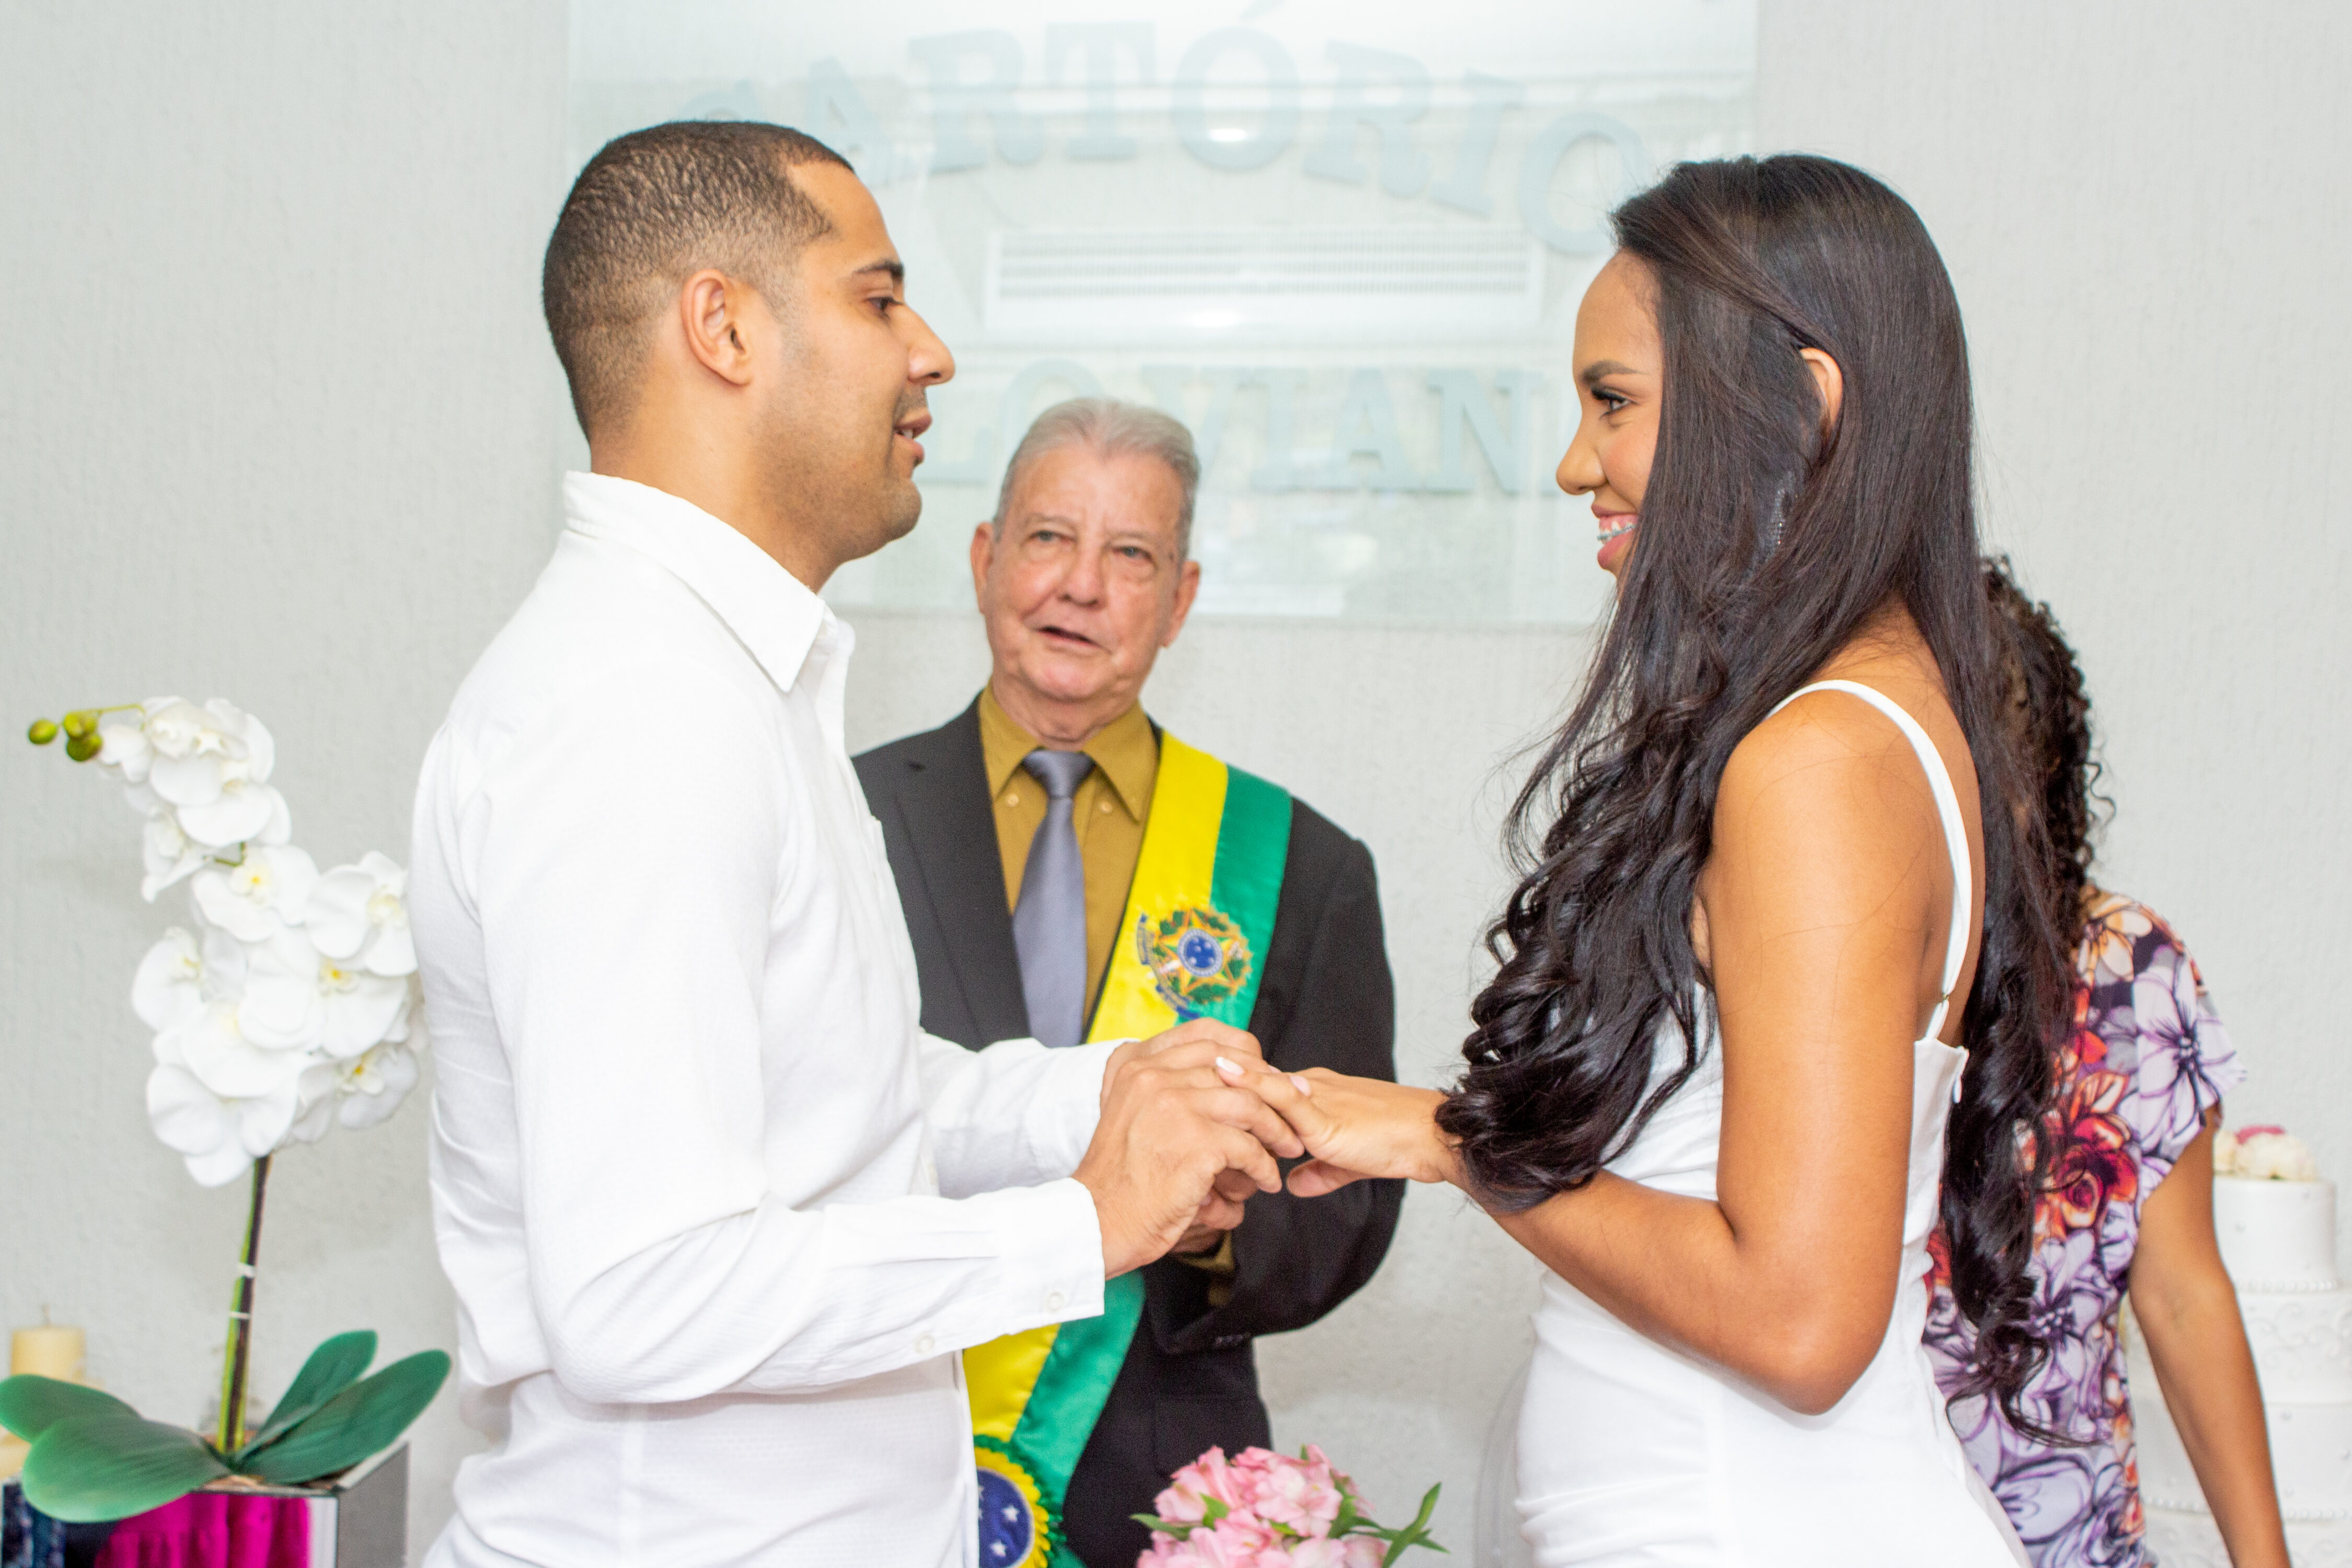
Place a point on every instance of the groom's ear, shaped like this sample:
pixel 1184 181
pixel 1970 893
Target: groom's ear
pixel 719 322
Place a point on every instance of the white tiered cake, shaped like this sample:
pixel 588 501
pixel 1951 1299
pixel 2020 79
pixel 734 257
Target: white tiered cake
pixel 2278 1238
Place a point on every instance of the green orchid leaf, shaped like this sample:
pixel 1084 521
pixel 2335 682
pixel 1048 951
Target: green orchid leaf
pixel 334 1366
pixel 363 1419
pixel 29 1405
pixel 85 1469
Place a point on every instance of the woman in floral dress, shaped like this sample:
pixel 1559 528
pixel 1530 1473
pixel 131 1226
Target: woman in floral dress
pixel 2128 1201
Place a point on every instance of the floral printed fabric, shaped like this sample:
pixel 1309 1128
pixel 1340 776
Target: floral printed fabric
pixel 2147 1059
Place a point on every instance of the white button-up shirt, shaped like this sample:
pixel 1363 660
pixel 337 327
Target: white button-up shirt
pixel 717 1213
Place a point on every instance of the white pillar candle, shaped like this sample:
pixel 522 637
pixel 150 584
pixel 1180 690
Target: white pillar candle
pixel 53 1350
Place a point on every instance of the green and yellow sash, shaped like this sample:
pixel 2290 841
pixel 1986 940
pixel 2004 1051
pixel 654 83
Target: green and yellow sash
pixel 1200 915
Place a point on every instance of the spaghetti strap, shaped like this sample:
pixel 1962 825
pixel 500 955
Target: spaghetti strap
pixel 1947 809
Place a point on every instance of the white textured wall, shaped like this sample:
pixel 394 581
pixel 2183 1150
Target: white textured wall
pixel 277 423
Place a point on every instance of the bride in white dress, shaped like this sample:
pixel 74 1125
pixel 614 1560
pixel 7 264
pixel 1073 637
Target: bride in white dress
pixel 1763 828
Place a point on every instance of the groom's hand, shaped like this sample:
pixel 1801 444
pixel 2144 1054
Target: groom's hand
pixel 1171 1126
pixel 1188 1039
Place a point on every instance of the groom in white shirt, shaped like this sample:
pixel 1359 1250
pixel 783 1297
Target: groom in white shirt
pixel 719 1213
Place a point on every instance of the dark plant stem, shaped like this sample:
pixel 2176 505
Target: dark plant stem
pixel 240 1323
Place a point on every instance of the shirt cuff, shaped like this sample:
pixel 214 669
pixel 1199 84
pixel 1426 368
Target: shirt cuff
pixel 1049 1250
pixel 1069 1105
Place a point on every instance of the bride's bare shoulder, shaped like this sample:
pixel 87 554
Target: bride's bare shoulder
pixel 1890 657
pixel 1829 756
pixel 1824 744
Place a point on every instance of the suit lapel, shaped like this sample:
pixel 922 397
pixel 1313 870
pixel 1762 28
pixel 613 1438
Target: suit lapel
pixel 947 806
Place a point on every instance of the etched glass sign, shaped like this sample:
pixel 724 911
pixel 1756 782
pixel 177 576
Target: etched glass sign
pixel 1343 243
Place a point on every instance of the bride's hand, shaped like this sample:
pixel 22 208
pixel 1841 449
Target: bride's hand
pixel 1353 1127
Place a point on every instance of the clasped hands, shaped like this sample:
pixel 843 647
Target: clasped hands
pixel 1194 1121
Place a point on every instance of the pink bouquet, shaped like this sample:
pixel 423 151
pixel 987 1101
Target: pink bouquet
pixel 1265 1510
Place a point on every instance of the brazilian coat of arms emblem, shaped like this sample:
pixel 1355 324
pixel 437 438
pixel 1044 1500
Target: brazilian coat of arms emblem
pixel 1196 955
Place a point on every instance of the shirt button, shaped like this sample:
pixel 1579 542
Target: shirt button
pixel 1054 1301
pixel 925 1345
pixel 1012 797
pixel 1105 806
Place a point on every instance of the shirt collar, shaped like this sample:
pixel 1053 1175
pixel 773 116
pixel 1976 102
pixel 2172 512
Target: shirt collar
pixel 1127 751
pixel 771 612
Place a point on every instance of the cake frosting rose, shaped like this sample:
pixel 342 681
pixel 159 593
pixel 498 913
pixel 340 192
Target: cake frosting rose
pixel 2274 1217
pixel 2264 1153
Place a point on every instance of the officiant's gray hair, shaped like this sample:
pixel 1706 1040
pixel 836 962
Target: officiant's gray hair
pixel 1113 429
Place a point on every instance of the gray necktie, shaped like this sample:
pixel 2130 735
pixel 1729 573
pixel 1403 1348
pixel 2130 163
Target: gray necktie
pixel 1049 924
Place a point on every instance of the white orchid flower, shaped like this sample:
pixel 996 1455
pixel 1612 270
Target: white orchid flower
pixel 168 854
pixel 181 974
pixel 374 1085
pixel 267 891
pixel 218 1136
pixel 316 1092
pixel 211 766
pixel 242 812
pixel 296 997
pixel 194 745
pixel 212 1044
pixel 363 1009
pixel 358 914
pixel 282 1007
pixel 123 743
pixel 169 986
pixel 197 1124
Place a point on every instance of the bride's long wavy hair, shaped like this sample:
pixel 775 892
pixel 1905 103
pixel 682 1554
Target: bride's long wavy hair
pixel 1764 548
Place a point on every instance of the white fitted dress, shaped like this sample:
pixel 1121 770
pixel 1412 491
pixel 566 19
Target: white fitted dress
pixel 1631 1453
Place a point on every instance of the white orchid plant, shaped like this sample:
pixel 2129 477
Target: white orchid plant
pixel 288 1005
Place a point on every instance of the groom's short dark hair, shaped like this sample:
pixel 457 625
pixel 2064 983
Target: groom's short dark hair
pixel 650 210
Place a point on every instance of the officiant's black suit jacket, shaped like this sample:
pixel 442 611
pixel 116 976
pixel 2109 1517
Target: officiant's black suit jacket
pixel 1325 1000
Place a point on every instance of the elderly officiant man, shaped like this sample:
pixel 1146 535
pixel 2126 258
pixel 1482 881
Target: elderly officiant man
pixel 1070 871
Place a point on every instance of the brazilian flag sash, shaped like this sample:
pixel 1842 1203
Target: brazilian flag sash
pixel 1199 917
